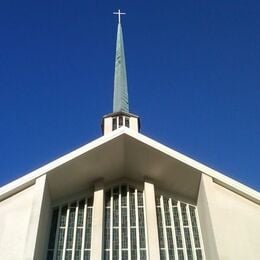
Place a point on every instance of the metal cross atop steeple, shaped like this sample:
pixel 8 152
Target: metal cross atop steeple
pixel 119 13
pixel 120 102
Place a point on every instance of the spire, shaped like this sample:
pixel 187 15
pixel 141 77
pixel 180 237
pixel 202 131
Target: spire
pixel 120 116
pixel 120 101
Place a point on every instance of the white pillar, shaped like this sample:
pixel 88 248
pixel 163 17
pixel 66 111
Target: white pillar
pixel 37 233
pixel 151 220
pixel 97 222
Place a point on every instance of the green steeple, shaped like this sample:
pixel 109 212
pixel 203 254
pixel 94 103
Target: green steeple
pixel 120 101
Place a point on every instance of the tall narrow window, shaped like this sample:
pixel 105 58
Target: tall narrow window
pixel 127 121
pixel 114 122
pixel 124 227
pixel 120 121
pixel 179 233
pixel 70 235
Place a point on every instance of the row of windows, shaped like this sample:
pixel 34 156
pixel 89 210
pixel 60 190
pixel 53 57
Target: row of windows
pixel 70 236
pixel 178 230
pixel 120 121
pixel 125 234
pixel 125 228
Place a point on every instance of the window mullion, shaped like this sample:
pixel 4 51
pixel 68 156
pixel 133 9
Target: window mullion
pixel 84 230
pixel 111 223
pixel 137 226
pixel 66 233
pixel 182 231
pixel 164 229
pixel 75 230
pixel 128 223
pixel 119 224
pixel 145 228
pixel 191 233
pixel 175 248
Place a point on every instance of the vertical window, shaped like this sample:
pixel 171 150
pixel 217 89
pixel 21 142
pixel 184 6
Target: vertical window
pixel 70 236
pixel 179 233
pixel 120 121
pixel 124 224
pixel 127 121
pixel 114 123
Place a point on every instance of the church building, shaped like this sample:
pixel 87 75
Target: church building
pixel 126 196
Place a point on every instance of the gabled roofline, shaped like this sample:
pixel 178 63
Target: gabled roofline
pixel 29 179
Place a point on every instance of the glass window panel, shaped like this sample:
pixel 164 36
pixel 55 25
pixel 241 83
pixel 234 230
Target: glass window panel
pixel 124 217
pixel 133 254
pixel 189 254
pixel 88 228
pixel 115 239
pixel 61 238
pixel 77 255
pixel 169 238
pixel 87 255
pixel 115 254
pixel 50 255
pixel 90 202
pixel 114 123
pixel 157 201
pixel 124 195
pixel 141 217
pixel 53 228
pixel 115 211
pixel 184 214
pixel 171 254
pixel 177 227
pixel 199 254
pixel 81 213
pixel 69 237
pixel 68 255
pixel 107 255
pixel 126 121
pixel 180 255
pixel 120 195
pixel 124 255
pixel 63 216
pixel 120 121
pixel 133 238
pixel 162 254
pixel 140 198
pixel 196 236
pixel 187 237
pixel 107 238
pixel 59 255
pixel 132 209
pixel 79 239
pixel 124 238
pixel 142 255
pixel 142 237
pixel 108 198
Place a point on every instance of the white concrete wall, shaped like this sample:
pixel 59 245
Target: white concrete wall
pixel 14 220
pixel 38 228
pixel 234 220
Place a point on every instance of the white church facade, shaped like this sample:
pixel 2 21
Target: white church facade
pixel 126 196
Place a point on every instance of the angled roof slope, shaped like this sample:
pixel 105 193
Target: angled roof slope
pixel 121 153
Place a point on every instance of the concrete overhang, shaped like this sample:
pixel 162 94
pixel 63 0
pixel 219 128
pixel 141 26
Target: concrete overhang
pixel 124 157
pixel 125 154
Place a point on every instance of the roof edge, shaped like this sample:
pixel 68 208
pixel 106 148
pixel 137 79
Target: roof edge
pixel 219 178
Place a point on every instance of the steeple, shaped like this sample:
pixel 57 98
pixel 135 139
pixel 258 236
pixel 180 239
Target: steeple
pixel 120 116
pixel 120 101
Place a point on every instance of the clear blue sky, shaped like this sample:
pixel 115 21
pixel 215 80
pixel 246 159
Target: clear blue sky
pixel 193 78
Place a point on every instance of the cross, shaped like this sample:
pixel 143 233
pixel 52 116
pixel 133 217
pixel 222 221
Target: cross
pixel 119 13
